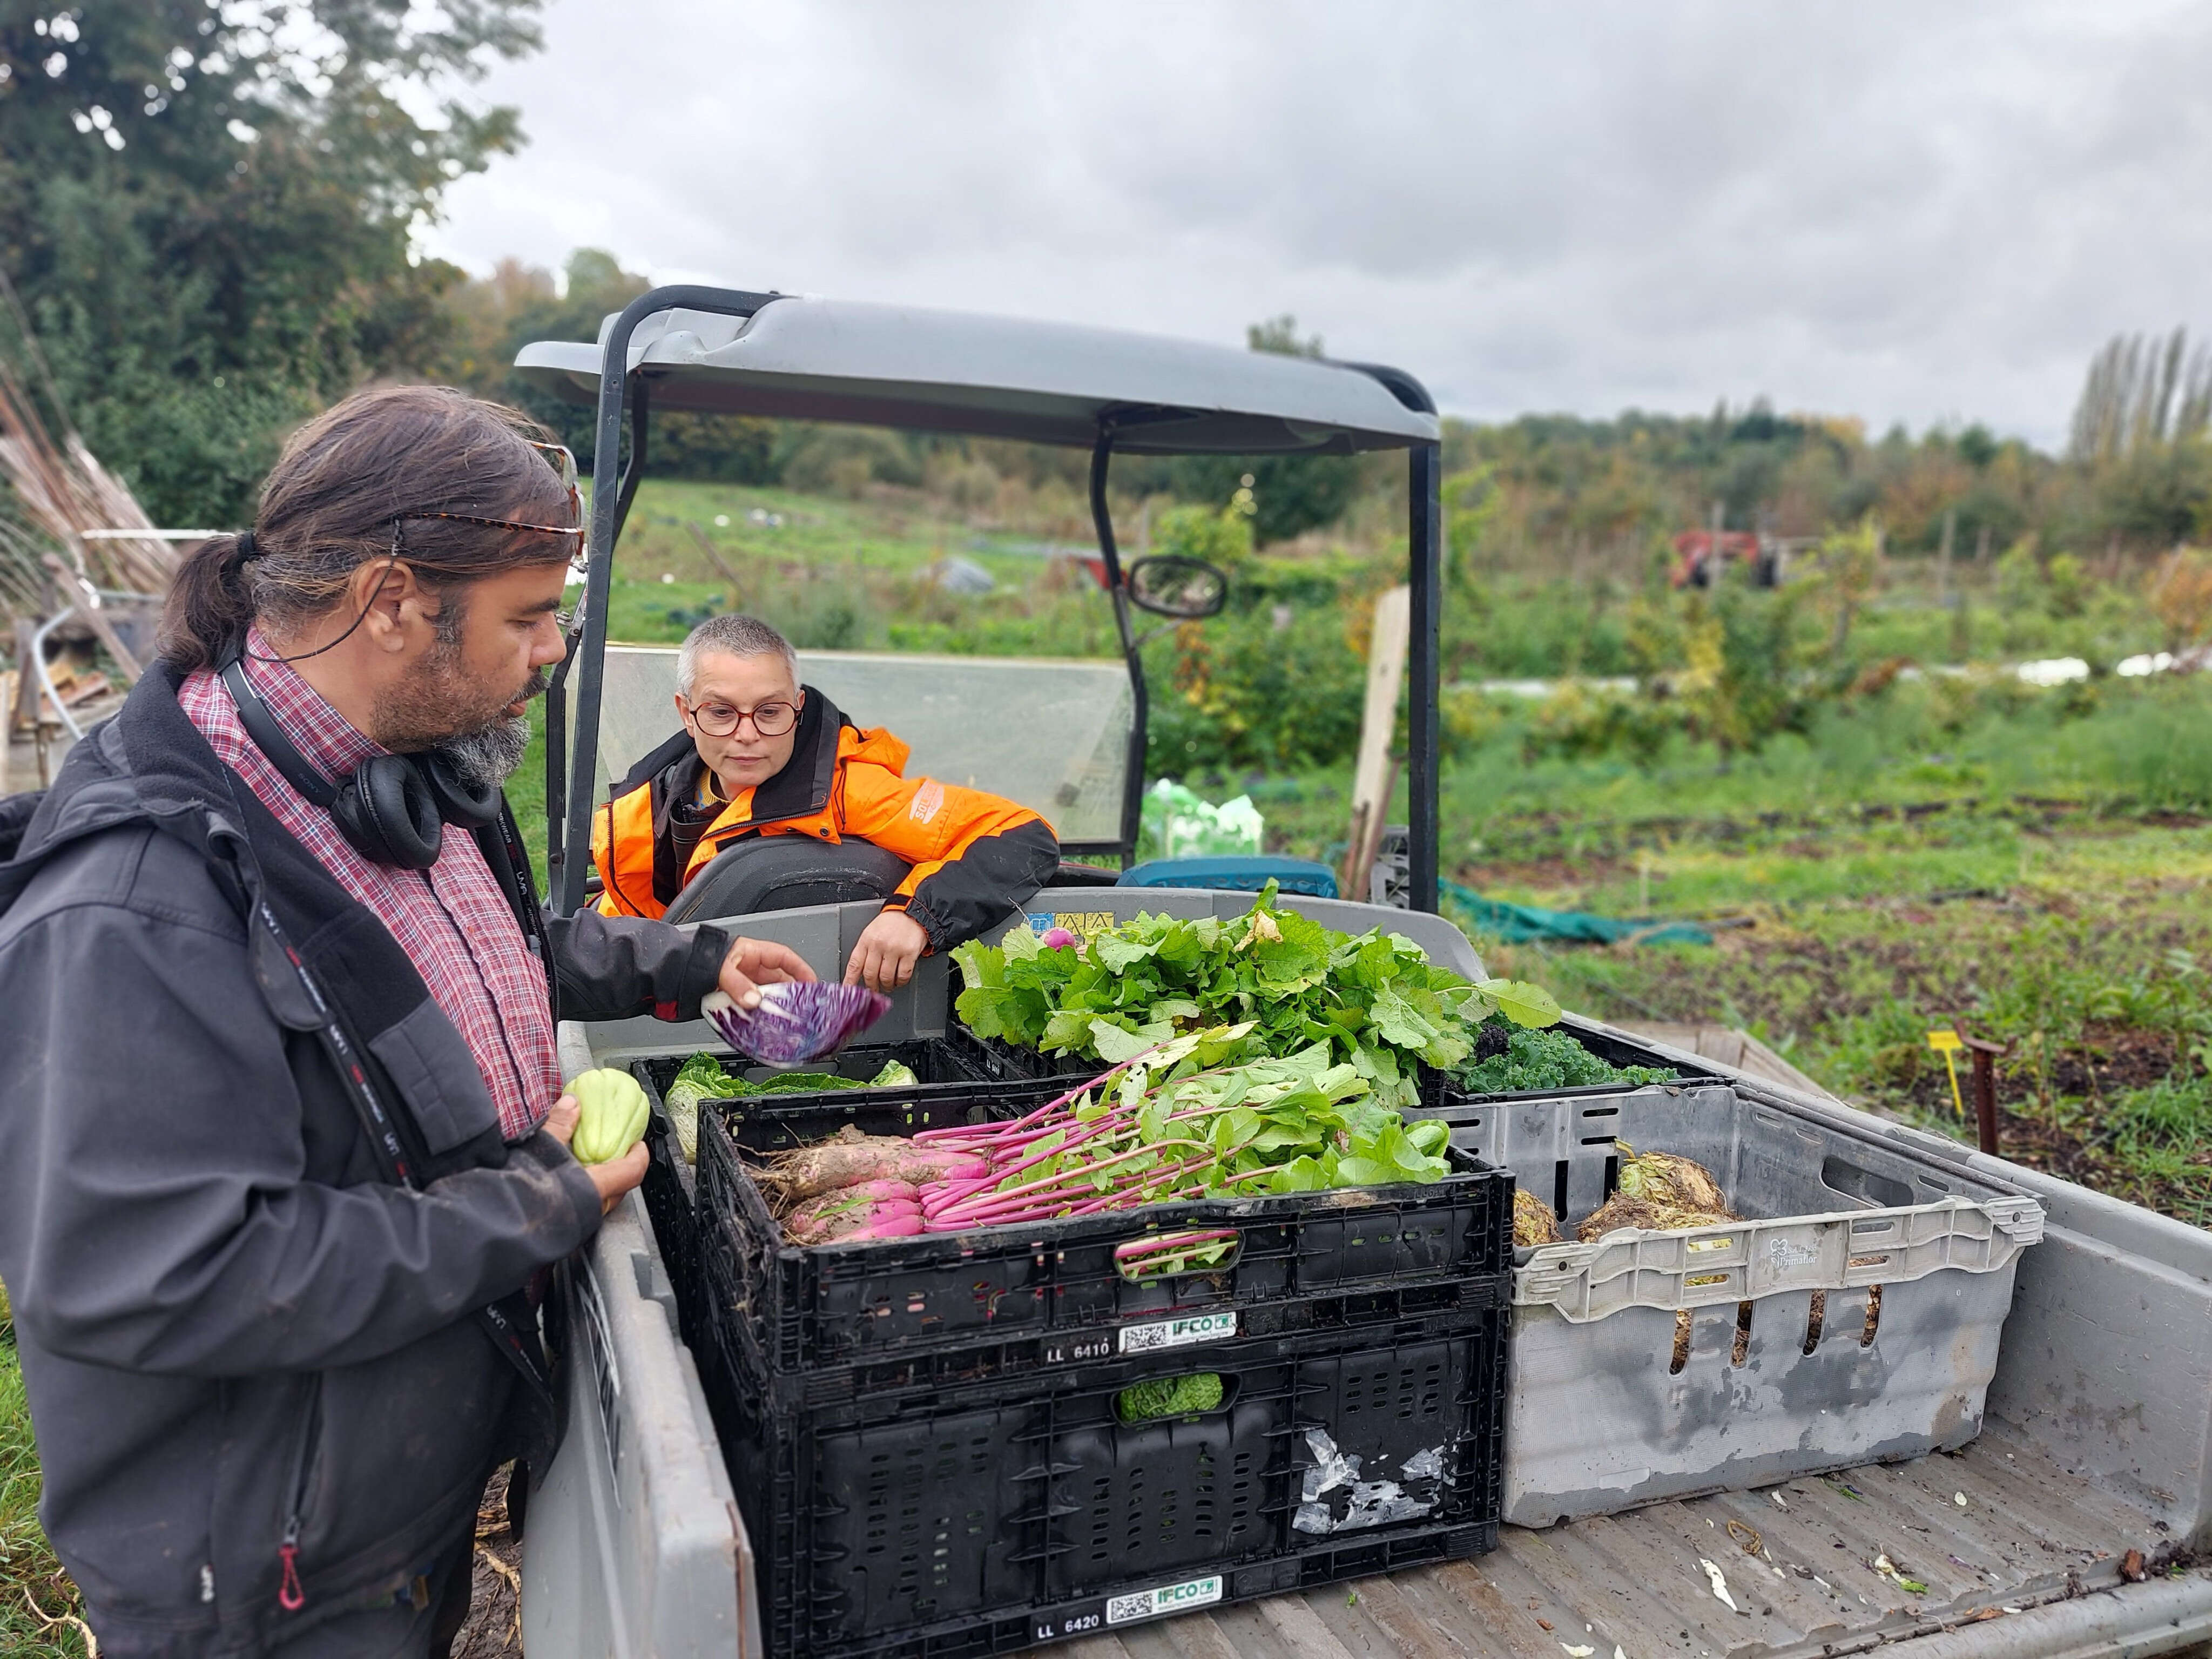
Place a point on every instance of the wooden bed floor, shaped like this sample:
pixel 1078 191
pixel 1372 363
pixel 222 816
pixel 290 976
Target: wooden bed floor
pixel 1830 1567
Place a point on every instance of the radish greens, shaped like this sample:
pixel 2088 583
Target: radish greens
pixel 1373 1002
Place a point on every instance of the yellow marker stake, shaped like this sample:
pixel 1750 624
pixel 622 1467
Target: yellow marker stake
pixel 1947 1044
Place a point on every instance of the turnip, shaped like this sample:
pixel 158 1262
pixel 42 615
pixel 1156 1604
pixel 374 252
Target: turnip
pixel 893 1226
pixel 1164 1125
pixel 840 1214
pixel 853 1158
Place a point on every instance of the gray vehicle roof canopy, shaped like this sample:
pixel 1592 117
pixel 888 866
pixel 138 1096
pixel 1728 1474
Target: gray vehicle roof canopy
pixel 949 371
pixel 733 351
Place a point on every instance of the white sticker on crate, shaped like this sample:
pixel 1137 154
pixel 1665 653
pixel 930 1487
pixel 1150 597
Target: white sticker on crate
pixel 1177 1333
pixel 1168 1598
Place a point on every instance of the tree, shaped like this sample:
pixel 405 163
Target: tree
pixel 208 211
pixel 1291 494
pixel 2143 393
pixel 489 321
pixel 2181 595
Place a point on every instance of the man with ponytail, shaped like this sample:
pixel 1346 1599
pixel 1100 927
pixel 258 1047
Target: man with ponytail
pixel 282 1144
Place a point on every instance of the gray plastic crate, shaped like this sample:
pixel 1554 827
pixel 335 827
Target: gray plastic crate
pixel 1908 1259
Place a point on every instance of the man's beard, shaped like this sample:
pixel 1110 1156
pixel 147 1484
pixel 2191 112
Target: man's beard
pixel 487 757
pixel 440 710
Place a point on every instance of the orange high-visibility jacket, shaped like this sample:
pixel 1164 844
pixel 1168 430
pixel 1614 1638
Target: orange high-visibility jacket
pixel 974 855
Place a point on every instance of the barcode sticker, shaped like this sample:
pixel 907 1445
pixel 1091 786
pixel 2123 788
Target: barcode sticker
pixel 1168 1598
pixel 1177 1333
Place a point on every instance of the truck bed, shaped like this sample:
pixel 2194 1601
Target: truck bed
pixel 1799 1561
pixel 2097 1442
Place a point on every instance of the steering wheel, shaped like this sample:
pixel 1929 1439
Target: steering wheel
pixel 785 873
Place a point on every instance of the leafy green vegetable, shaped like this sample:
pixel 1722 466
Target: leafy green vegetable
pixel 703 1078
pixel 1169 1257
pixel 1522 1003
pixel 1168 1396
pixel 1514 1060
pixel 796 1083
pixel 1178 1122
pixel 1374 1001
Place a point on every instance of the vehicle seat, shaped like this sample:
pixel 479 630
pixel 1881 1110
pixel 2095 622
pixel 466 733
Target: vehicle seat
pixel 785 873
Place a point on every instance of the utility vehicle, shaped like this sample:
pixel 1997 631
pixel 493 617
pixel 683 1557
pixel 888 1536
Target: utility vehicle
pixel 2067 1528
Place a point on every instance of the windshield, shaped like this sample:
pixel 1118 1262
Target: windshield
pixel 1051 735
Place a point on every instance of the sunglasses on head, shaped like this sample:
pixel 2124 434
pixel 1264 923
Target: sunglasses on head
pixel 563 463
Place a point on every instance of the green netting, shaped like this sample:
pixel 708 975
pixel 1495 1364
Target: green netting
pixel 1516 923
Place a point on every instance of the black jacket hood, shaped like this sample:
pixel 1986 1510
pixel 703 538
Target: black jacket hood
pixel 148 764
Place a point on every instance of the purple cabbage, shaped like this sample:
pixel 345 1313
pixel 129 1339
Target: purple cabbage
pixel 795 1023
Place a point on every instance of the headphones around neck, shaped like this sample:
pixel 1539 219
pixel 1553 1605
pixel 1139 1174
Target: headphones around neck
pixel 392 809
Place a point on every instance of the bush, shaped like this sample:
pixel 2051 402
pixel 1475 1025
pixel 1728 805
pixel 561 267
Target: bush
pixel 844 460
pixel 1220 536
pixel 2181 594
pixel 1242 691
pixel 738 449
pixel 1289 494
pixel 1577 722
pixel 2151 747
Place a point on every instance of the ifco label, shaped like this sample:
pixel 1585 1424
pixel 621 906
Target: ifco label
pixel 1168 1598
pixel 1177 1333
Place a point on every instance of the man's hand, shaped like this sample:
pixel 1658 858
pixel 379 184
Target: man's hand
pixel 753 962
pixel 613 1178
pixel 883 957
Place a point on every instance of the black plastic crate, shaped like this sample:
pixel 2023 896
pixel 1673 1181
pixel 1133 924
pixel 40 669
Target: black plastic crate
pixel 1375 1314
pixel 672 1207
pixel 986 1518
pixel 825 1322
pixel 1001 1061
pixel 669 1186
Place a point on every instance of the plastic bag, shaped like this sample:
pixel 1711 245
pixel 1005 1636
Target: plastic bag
pixel 1180 824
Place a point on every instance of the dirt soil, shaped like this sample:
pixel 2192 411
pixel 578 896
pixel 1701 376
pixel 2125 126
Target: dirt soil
pixel 494 1629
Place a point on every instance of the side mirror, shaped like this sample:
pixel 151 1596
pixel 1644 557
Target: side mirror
pixel 1170 585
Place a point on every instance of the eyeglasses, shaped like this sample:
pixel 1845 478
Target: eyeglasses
pixel 719 719
pixel 563 463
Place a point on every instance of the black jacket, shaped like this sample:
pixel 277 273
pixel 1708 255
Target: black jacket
pixel 229 1325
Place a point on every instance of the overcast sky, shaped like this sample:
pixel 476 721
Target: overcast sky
pixel 1922 212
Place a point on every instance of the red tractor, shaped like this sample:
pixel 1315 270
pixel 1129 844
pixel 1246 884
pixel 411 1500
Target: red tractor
pixel 1700 555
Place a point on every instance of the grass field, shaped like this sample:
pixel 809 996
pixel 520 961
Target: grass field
pixel 2085 942
pixel 37 1600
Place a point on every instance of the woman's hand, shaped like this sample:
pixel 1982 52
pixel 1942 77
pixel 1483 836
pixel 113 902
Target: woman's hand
pixel 884 955
pixel 753 962
pixel 614 1178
